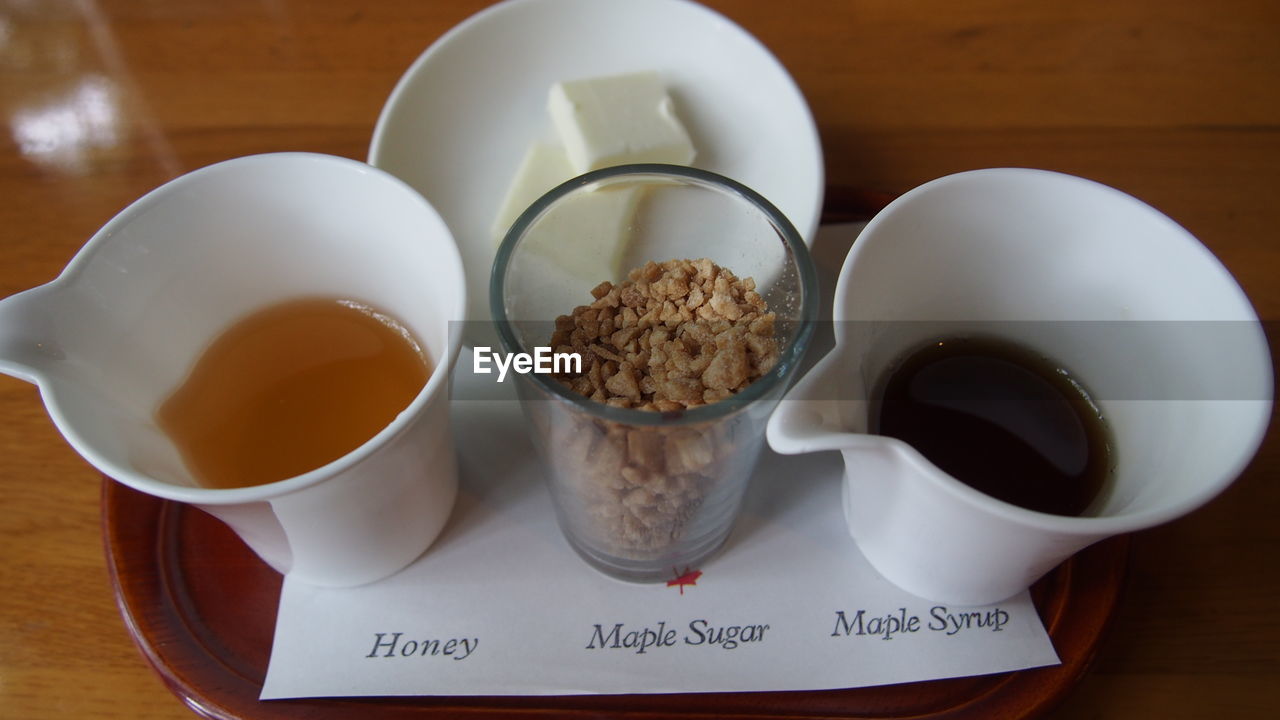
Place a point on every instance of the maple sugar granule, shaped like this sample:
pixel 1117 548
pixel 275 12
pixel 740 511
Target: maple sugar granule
pixel 675 335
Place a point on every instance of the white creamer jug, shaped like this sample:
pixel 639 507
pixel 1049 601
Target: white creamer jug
pixel 121 327
pixel 1133 305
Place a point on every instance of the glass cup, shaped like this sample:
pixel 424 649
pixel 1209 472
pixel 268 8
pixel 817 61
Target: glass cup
pixel 642 494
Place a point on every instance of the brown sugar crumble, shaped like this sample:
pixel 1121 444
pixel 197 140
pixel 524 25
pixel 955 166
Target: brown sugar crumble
pixel 674 335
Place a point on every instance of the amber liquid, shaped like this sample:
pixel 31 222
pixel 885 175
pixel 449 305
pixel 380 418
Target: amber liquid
pixel 290 388
pixel 1002 420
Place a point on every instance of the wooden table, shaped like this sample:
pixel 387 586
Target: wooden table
pixel 1175 101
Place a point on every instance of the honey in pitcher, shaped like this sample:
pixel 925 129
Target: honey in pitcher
pixel 290 388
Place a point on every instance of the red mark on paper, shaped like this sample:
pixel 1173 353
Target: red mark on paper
pixel 688 577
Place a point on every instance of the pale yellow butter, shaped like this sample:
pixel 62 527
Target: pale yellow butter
pixel 588 235
pixel 544 166
pixel 600 122
pixel 618 119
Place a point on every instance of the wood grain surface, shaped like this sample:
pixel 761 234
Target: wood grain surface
pixel 1174 101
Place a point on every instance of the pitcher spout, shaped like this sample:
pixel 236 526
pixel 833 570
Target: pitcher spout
pixel 821 413
pixel 25 343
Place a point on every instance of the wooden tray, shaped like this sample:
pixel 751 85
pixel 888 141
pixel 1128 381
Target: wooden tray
pixel 202 609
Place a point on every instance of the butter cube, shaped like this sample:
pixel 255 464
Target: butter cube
pixel 618 119
pixel 587 236
pixel 545 165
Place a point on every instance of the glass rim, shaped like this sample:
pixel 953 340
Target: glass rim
pixel 789 358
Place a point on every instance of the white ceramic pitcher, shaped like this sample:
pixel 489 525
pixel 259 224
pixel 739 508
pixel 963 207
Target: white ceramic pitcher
pixel 1116 292
pixel 120 328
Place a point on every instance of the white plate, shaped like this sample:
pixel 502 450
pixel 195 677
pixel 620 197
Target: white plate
pixel 460 119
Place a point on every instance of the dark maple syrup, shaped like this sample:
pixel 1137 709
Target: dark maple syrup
pixel 1001 419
